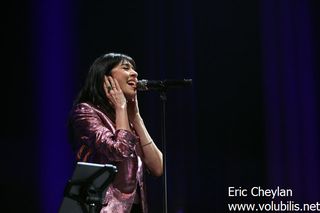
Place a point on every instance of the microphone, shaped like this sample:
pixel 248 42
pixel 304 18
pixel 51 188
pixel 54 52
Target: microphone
pixel 146 85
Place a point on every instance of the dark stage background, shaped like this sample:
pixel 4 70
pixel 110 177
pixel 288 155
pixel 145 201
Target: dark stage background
pixel 250 118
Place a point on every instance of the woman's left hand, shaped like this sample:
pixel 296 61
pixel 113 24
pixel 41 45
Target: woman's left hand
pixel 133 109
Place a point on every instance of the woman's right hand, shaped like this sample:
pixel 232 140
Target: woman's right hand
pixel 114 93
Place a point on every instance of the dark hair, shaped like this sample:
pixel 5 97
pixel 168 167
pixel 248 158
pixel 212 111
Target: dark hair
pixel 93 92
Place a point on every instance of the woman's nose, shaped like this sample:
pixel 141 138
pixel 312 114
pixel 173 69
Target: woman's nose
pixel 133 73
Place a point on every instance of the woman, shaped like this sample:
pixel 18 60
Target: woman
pixel 106 127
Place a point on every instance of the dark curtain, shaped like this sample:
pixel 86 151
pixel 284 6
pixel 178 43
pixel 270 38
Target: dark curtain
pixel 290 34
pixel 250 117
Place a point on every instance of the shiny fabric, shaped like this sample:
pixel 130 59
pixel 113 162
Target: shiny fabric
pixel 99 142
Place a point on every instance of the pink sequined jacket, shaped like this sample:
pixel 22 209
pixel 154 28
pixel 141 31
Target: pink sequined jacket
pixel 99 142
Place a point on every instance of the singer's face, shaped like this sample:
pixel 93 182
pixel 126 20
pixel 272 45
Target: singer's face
pixel 126 77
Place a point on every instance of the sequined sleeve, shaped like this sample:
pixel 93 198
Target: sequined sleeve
pixel 101 136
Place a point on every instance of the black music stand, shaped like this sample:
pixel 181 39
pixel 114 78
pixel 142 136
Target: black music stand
pixel 85 191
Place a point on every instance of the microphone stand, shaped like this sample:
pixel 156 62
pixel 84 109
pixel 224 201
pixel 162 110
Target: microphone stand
pixel 163 98
pixel 162 86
